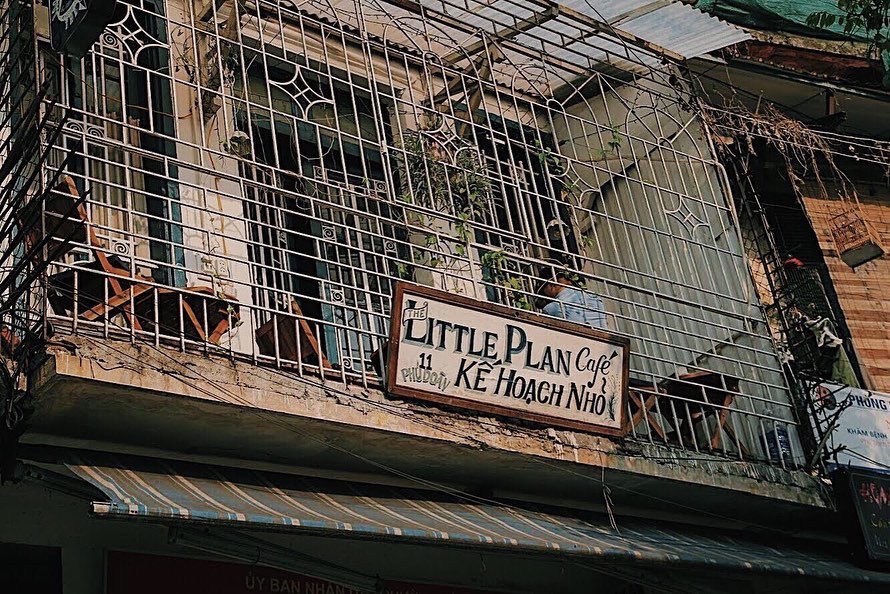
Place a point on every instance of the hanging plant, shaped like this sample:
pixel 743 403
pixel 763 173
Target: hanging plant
pixel 453 181
pixel 449 177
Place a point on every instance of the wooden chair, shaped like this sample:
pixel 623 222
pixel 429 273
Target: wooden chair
pixel 185 310
pixel 715 392
pixel 643 398
pixel 67 219
pixel 296 341
pixel 82 290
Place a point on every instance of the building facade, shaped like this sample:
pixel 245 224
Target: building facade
pixel 216 216
pixel 816 194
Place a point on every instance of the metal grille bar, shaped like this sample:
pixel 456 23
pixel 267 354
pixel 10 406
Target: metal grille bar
pixel 260 175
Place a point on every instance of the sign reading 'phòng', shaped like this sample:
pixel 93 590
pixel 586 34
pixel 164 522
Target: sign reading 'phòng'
pixel 857 423
pixel 464 353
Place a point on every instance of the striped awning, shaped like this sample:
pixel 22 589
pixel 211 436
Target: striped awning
pixel 178 491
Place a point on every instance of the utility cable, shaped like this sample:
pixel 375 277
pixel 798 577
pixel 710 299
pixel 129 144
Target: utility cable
pixel 432 485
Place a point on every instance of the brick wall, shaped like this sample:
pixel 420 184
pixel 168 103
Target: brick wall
pixel 864 294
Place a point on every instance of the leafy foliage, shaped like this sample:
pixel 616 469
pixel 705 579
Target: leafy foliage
pixel 869 19
pixel 457 183
pixel 497 264
pixel 442 175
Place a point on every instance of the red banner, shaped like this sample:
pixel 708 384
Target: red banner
pixel 137 573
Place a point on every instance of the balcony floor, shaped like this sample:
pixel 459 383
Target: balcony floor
pixel 115 396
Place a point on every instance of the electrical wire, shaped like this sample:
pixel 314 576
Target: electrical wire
pixel 428 484
pixel 395 409
pixel 481 443
pixel 432 485
pixel 856 454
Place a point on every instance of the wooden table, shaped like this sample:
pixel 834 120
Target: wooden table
pixel 185 309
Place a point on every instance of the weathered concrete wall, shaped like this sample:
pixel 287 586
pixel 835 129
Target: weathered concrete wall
pixel 137 398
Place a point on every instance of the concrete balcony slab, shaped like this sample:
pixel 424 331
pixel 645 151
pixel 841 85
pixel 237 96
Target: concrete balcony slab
pixel 108 395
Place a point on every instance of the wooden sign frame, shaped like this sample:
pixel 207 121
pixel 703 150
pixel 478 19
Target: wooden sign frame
pixel 508 314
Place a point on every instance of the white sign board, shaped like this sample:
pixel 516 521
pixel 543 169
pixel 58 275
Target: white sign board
pixel 469 354
pixel 863 426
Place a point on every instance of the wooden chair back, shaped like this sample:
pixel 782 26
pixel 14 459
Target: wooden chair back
pixel 296 341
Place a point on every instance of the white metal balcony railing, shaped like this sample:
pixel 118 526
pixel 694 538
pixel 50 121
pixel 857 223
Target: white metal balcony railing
pixel 258 194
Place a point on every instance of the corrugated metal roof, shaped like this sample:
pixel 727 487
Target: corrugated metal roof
pixel 676 27
pixel 685 30
pixel 570 38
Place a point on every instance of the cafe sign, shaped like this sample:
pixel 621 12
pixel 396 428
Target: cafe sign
pixel 464 353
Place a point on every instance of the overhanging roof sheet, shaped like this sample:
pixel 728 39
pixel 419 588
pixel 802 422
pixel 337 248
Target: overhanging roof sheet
pixel 168 490
pixel 572 36
pixel 670 24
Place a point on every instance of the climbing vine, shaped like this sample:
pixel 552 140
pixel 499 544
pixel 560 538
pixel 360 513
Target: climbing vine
pixel 809 155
